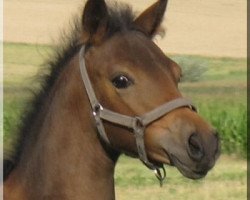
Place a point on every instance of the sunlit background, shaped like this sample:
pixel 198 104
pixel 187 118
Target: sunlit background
pixel 207 38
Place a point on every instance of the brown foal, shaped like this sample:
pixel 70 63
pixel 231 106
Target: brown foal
pixel 61 154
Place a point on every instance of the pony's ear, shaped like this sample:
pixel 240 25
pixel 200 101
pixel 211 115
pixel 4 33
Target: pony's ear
pixel 94 21
pixel 150 20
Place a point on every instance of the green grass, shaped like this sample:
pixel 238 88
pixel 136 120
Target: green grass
pixel 227 181
pixel 220 96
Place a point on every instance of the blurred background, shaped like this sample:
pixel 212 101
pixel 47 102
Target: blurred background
pixel 209 41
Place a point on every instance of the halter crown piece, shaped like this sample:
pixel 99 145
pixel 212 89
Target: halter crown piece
pixel 136 123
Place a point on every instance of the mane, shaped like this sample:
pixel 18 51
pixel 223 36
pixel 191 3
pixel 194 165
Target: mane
pixel 121 19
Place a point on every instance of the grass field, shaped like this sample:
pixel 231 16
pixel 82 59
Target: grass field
pixel 220 96
pixel 227 181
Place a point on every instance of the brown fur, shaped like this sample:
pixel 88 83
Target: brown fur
pixel 64 158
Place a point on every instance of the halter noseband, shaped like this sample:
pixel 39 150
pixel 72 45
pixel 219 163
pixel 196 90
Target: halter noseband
pixel 136 123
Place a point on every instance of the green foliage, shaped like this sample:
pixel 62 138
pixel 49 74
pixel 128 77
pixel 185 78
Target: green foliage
pixel 231 122
pixel 192 69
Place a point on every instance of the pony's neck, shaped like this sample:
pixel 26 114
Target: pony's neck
pixel 66 159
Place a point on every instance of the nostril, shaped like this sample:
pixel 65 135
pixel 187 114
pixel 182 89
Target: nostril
pixel 195 149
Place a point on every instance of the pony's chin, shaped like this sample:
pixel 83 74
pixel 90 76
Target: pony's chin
pixel 187 171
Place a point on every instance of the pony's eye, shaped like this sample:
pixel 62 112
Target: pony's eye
pixel 122 81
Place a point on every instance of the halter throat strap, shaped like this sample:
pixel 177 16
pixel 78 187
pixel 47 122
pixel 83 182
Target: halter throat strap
pixel 137 123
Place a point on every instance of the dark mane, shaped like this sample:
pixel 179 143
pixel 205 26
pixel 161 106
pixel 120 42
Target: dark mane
pixel 121 19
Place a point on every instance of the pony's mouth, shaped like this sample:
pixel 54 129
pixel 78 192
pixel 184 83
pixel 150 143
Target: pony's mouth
pixel 172 160
pixel 185 170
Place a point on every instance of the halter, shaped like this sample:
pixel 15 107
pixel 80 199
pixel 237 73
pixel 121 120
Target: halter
pixel 137 123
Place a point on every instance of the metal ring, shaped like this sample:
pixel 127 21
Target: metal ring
pixel 159 175
pixel 97 108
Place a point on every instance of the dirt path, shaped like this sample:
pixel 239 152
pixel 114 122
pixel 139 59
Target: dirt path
pixel 214 27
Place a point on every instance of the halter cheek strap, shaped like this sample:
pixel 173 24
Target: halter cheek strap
pixel 137 123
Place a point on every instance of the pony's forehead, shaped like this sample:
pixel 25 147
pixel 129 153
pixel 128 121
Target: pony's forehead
pixel 134 43
pixel 130 51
